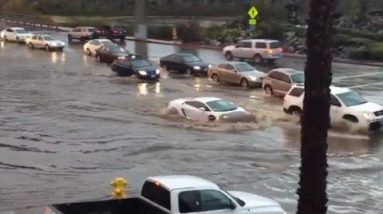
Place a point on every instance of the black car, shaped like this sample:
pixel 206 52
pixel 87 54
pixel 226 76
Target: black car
pixel 136 65
pixel 112 32
pixel 110 53
pixel 184 63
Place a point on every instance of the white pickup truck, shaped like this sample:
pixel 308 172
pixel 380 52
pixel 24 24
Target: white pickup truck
pixel 174 195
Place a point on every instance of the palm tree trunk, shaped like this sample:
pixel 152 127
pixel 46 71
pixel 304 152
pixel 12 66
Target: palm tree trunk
pixel 315 122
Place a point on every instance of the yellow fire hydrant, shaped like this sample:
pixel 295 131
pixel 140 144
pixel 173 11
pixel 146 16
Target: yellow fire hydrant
pixel 119 187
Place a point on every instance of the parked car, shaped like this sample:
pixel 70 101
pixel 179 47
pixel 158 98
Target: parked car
pixel 205 109
pixel 136 65
pixel 174 195
pixel 82 34
pixel 257 49
pixel 110 53
pixel 44 41
pixel 112 32
pixel 240 73
pixel 346 106
pixel 15 34
pixel 184 63
pixel 93 45
pixel 279 81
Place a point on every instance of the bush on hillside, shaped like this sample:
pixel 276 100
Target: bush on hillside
pixel 376 51
pixel 359 53
pixel 358 42
pixel 340 39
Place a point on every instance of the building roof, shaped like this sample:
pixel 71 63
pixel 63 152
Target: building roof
pixel 172 182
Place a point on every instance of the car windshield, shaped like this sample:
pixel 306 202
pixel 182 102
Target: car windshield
pixel 21 31
pixel 244 67
pixel 238 200
pixel 221 105
pixel 274 45
pixel 48 38
pixel 191 58
pixel 298 78
pixel 140 63
pixel 106 42
pixel 351 98
pixel 118 50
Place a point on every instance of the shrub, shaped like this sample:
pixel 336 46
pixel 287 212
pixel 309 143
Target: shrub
pixel 376 51
pixel 358 42
pixel 160 32
pixel 271 30
pixel 359 53
pixel 190 32
pixel 340 39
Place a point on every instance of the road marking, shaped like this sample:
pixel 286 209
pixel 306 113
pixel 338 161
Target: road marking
pixel 360 75
pixel 366 85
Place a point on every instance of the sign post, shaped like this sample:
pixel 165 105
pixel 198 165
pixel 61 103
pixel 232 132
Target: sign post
pixel 253 13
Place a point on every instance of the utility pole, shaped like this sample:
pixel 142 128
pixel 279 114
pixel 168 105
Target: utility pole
pixel 140 28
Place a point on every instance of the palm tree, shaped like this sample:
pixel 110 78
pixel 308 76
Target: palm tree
pixel 315 119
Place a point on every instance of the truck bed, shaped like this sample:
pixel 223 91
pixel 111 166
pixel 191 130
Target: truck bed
pixel 124 206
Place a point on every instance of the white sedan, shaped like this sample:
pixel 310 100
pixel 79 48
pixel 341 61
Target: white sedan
pixel 205 109
pixel 44 41
pixel 92 46
pixel 15 34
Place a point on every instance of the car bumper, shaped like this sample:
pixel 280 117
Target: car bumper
pixel 148 77
pixel 375 124
pixel 202 71
pixel 257 83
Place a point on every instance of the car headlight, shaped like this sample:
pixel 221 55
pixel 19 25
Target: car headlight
pixel 253 78
pixel 143 73
pixel 196 67
pixel 209 66
pixel 368 114
pixel 53 43
pixel 157 71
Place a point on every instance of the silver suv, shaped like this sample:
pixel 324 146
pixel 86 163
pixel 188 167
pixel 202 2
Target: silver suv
pixel 257 49
pixel 82 34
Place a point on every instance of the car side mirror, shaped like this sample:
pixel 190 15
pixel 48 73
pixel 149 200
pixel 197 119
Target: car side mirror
pixel 232 205
pixel 202 108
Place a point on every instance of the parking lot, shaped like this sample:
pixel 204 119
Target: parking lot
pixel 68 125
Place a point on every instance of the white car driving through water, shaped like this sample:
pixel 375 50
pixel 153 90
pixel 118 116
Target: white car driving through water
pixel 15 34
pixel 205 109
pixel 347 106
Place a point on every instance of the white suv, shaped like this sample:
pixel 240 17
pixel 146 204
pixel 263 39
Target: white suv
pixel 82 34
pixel 347 106
pixel 257 49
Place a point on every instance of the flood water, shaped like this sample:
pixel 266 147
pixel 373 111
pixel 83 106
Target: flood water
pixel 68 126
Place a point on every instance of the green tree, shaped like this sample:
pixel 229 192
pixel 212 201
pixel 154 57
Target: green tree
pixel 315 119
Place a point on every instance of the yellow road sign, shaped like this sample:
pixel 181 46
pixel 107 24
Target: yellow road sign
pixel 253 12
pixel 252 21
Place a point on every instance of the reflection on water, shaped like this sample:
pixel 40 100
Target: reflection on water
pixel 54 57
pixel 145 88
pixel 197 84
pixel 339 143
pixel 2 45
pixel 63 57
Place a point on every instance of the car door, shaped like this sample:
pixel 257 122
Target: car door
pixel 220 71
pixel 260 48
pixel 179 64
pixel 192 110
pixel 281 83
pixel 10 34
pixel 40 42
pixel 276 81
pixel 231 74
pixel 238 50
pixel 336 112
pixel 247 49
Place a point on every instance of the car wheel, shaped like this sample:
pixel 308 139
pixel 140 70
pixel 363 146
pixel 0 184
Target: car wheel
pixel 295 111
pixel 88 52
pixel 268 90
pixel 229 56
pixel 258 59
pixel 211 118
pixel 47 48
pixel 5 39
pixel 215 77
pixel 244 83
pixel 351 118
pixel 31 46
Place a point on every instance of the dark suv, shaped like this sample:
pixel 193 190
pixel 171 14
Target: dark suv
pixel 112 32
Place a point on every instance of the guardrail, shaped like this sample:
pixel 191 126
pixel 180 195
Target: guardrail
pixel 28 21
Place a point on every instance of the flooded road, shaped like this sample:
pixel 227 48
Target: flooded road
pixel 68 126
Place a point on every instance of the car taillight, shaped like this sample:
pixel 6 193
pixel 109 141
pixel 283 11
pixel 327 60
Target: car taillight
pixel 281 50
pixel 269 51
